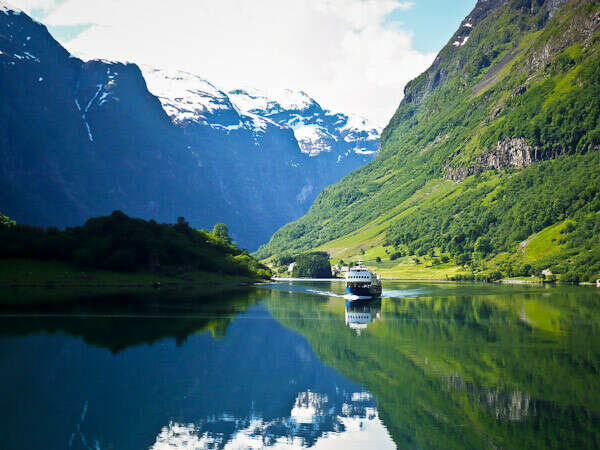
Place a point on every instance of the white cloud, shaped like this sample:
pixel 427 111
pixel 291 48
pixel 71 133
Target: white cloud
pixel 339 51
pixel 404 6
pixel 32 5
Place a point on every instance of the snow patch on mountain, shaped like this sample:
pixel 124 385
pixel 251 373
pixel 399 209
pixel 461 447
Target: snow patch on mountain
pixel 290 100
pixel 185 97
pixel 256 123
pixel 188 98
pixel 356 126
pixel 271 101
pixel 26 56
pixel 312 139
pixel 354 123
pixel 461 43
pixel 249 100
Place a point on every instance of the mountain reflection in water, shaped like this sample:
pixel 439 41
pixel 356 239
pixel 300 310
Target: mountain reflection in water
pixel 166 373
pixel 293 365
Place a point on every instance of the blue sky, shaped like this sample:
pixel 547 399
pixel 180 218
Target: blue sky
pixel 433 22
pixel 353 56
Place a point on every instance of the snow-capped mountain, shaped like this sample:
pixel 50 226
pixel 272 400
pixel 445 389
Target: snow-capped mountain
pixel 189 98
pixel 80 139
pixel 316 129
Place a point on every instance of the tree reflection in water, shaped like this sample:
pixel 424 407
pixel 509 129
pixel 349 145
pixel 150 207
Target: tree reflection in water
pixel 486 367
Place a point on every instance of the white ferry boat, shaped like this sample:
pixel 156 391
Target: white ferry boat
pixel 360 283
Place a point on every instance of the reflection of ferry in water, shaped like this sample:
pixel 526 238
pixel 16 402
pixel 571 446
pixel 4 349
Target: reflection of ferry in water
pixel 360 313
pixel 360 283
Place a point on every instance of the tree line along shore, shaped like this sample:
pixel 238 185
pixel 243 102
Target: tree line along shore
pixel 118 250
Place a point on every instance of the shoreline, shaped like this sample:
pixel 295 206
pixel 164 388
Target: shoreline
pixel 28 297
pixel 433 280
pixel 154 285
pixel 18 272
pixel 53 281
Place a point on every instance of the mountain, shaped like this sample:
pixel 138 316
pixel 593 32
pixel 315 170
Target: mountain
pixel 317 131
pixel 302 147
pixel 490 166
pixel 81 139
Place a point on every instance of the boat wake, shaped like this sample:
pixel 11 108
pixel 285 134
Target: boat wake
pixel 402 293
pixel 300 289
pixel 325 293
pixel 387 293
pixel 352 297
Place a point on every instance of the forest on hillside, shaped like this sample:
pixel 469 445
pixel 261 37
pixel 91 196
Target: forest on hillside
pixel 124 244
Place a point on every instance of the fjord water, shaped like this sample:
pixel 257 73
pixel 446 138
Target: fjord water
pixel 291 365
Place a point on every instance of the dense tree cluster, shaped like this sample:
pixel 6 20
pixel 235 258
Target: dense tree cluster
pixel 118 242
pixel 285 259
pixel 312 265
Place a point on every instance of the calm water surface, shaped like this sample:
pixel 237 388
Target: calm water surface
pixel 291 365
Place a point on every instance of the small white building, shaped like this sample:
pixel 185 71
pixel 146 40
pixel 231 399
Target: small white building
pixel 335 270
pixel 291 267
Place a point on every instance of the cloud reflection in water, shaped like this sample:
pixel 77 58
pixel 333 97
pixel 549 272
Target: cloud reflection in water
pixel 315 421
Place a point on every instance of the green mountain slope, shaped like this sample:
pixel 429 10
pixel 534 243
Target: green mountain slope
pixel 495 146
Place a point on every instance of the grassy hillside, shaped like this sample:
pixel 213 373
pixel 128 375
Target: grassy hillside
pixel 492 149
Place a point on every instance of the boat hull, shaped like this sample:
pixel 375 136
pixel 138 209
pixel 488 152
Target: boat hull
pixel 364 291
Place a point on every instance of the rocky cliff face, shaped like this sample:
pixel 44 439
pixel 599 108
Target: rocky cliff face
pixel 581 29
pixel 515 152
pixel 443 65
pixel 79 139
